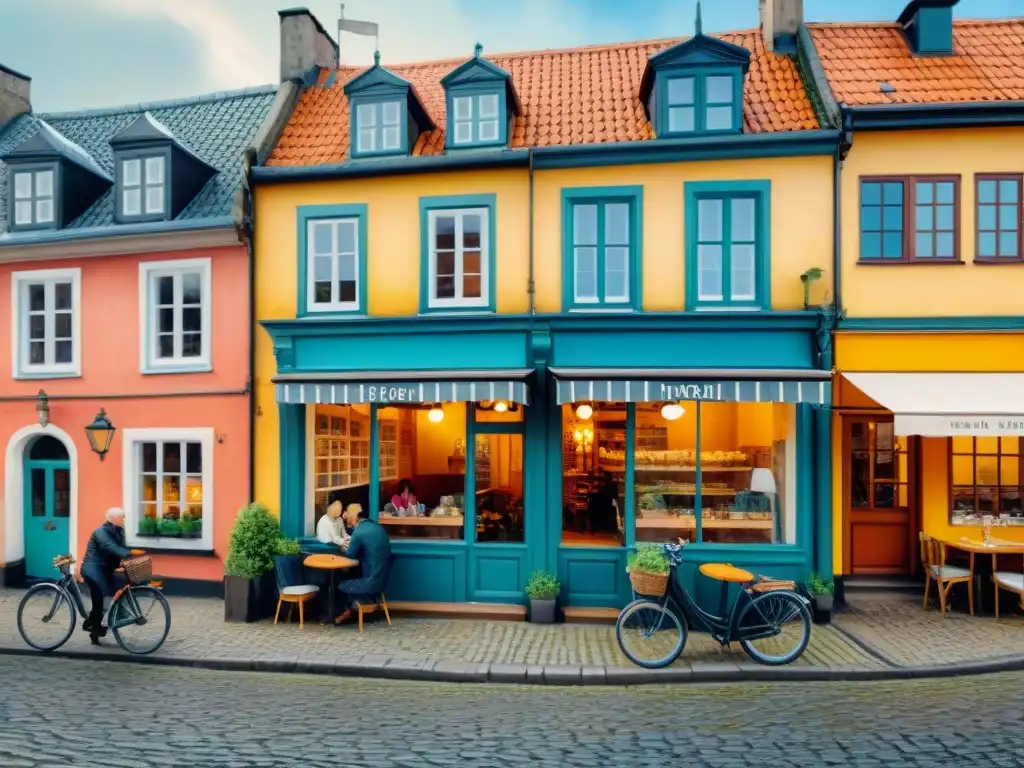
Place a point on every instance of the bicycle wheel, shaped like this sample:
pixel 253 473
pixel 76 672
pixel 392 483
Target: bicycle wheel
pixel 784 612
pixel 46 617
pixel 150 620
pixel 650 634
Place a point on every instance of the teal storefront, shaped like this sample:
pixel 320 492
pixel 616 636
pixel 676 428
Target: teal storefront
pixel 582 435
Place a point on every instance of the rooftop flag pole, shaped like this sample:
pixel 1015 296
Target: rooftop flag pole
pixel 365 28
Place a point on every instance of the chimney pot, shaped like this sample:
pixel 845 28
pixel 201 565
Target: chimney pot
pixel 780 23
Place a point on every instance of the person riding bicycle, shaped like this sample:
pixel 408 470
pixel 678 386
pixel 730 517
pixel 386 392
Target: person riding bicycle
pixel 103 556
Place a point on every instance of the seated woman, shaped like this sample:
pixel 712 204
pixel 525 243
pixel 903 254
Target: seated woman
pixel 330 529
pixel 371 546
pixel 406 496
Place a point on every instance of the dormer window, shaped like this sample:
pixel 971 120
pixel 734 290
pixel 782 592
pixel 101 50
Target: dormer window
pixel 695 87
pixel 481 104
pixel 379 127
pixel 386 115
pixel 34 199
pixel 143 186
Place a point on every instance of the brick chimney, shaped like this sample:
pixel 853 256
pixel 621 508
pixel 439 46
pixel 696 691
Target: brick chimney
pixel 780 22
pixel 304 44
pixel 928 26
pixel 15 94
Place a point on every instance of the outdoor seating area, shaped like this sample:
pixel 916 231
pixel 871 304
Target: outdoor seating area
pixel 984 567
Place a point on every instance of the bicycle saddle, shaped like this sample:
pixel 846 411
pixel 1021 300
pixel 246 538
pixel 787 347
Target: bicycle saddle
pixel 726 572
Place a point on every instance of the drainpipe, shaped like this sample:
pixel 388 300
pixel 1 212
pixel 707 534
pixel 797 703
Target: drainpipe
pixel 249 161
pixel 531 289
pixel 842 148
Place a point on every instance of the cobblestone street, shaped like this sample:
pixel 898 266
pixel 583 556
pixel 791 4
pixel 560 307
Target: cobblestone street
pixel 57 713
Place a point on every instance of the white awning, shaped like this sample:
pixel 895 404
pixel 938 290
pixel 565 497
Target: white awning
pixel 948 404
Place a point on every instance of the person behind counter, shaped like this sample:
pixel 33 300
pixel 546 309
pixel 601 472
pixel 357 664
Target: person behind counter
pixel 330 529
pixel 371 546
pixel 406 496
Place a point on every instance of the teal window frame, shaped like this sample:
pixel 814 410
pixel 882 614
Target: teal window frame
pixel 32 169
pixel 308 214
pixel 999 218
pixel 378 102
pixel 729 191
pixel 429 304
pixel 699 103
pixel 475 94
pixel 601 197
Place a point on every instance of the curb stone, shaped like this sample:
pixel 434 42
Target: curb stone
pixel 382 667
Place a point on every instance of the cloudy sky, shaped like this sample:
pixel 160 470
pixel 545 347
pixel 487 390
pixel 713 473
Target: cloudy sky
pixel 89 53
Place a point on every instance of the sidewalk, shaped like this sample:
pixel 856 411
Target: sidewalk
pixel 881 637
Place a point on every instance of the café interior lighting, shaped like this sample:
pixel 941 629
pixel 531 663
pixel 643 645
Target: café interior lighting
pixel 501 406
pixel 672 411
pixel 584 411
pixel 435 414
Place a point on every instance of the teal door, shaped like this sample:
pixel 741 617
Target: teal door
pixel 47 509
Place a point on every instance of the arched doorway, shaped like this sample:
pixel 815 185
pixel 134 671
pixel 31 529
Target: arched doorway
pixel 47 504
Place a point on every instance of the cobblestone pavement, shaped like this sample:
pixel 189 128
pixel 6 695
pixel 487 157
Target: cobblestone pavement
pixel 907 635
pixel 199 631
pixel 159 717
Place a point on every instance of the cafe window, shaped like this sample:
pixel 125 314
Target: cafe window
pixel 878 466
pixel 341 456
pixel 499 488
pixel 986 479
pixel 714 472
pixel 422 470
pixel 593 473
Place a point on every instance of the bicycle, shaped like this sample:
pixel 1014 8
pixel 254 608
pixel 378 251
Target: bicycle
pixel 55 604
pixel 769 609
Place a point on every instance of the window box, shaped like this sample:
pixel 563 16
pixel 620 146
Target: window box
pixel 175 299
pixel 46 316
pixel 457 253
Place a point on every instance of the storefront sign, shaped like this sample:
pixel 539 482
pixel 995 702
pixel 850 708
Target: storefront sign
pixel 691 392
pixel 959 425
pixel 389 393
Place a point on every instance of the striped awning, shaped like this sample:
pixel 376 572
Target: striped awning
pixel 402 391
pixel 815 390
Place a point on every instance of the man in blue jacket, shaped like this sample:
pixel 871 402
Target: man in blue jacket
pixel 106 549
pixel 371 546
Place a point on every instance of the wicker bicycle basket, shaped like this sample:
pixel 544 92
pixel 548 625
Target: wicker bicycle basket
pixel 138 569
pixel 648 583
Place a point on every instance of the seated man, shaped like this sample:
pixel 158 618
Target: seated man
pixel 330 529
pixel 371 546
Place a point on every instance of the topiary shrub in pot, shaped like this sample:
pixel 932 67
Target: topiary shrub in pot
pixel 543 590
pixel 822 596
pixel 250 591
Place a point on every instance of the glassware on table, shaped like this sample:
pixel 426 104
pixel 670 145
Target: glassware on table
pixel 986 529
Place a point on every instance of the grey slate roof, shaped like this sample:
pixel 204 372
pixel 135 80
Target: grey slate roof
pixel 216 127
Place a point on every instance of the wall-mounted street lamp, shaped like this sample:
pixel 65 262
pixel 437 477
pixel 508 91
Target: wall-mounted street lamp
pixel 42 408
pixel 100 434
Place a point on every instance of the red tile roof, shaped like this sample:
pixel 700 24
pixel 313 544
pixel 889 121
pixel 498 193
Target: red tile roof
pixel 988 64
pixel 579 96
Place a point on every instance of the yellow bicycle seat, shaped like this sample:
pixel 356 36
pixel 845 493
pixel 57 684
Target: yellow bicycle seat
pixel 726 572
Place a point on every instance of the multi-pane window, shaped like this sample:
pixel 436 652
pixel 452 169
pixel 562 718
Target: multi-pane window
pixel 46 316
pixel 727 249
pixel 475 119
pixel 459 256
pixel 379 127
pixel 333 264
pixel 701 103
pixel 34 198
pixel 999 216
pixel 177 311
pixel 911 218
pixel 601 252
pixel 878 466
pixel 985 476
pixel 143 186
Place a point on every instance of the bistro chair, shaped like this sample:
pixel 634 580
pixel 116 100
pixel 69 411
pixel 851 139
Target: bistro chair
pixel 1011 582
pixel 290 589
pixel 933 558
pixel 380 602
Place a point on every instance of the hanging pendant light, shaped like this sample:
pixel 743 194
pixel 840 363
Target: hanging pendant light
pixel 672 411
pixel 501 406
pixel 435 414
pixel 584 411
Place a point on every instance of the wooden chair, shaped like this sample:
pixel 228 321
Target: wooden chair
pixel 288 572
pixel 933 558
pixel 381 602
pixel 1011 582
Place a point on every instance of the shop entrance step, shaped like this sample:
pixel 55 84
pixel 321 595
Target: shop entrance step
pixel 882 584
pixel 590 615
pixel 489 611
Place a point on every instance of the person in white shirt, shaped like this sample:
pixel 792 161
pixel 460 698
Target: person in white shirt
pixel 330 529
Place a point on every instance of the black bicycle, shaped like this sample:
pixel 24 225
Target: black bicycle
pixel 46 614
pixel 769 618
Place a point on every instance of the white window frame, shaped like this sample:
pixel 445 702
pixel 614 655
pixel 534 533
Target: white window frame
pixel 34 199
pixel 149 271
pixel 377 129
pixel 458 302
pixel 130 473
pixel 476 120
pixel 20 366
pixel 144 186
pixel 335 304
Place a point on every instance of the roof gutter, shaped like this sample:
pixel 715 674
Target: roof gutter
pixel 888 117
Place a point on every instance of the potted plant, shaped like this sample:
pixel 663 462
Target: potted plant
pixel 169 527
pixel 648 569
pixel 148 526
pixel 191 527
pixel 822 595
pixel 543 590
pixel 250 591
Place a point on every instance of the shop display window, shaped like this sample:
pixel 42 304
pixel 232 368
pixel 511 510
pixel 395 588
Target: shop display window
pixel 499 488
pixel 593 473
pixel 986 479
pixel 341 456
pixel 422 470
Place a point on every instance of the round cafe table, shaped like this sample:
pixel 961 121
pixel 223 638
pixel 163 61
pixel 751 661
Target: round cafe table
pixel 332 564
